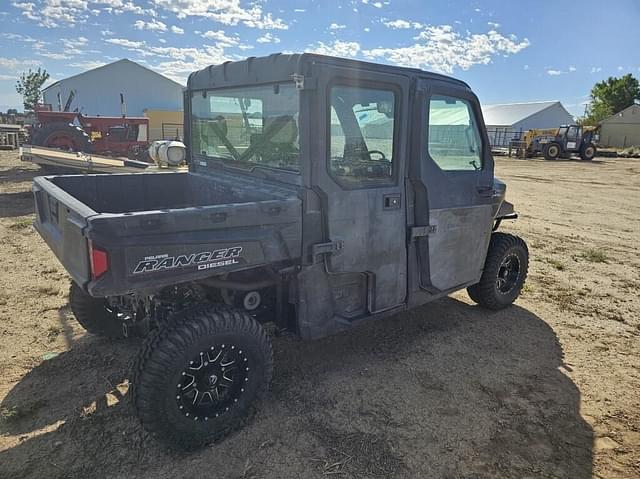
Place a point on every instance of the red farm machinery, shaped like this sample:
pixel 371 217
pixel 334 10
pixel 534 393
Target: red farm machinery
pixel 121 136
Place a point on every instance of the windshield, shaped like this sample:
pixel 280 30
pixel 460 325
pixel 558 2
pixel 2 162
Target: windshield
pixel 249 126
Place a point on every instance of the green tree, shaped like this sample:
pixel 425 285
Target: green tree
pixel 611 96
pixel 29 85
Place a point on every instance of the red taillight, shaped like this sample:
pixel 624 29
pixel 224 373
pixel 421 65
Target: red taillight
pixel 99 261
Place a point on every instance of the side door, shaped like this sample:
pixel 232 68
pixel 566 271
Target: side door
pixel 574 138
pixel 357 170
pixel 453 183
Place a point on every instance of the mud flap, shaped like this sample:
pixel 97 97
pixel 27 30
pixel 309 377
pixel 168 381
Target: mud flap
pixel 315 304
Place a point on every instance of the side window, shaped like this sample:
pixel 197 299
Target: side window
pixel 454 139
pixel 361 132
pixel 573 132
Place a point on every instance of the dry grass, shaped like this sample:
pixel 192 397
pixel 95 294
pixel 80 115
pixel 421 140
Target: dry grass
pixel 594 255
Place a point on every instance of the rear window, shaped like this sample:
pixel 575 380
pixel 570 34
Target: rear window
pixel 248 126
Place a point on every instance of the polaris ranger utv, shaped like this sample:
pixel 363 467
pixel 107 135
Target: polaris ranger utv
pixel 321 192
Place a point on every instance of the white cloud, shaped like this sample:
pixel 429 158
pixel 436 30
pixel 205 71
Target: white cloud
pixel 620 69
pixel 336 26
pixel 299 10
pixel 14 64
pixel 222 38
pixel 154 25
pixel 554 73
pixel 493 24
pixel 401 24
pixel 175 62
pixel 177 30
pixel 227 12
pixel 120 6
pixel 55 56
pixel 441 48
pixel 526 67
pixel 572 68
pixel 596 69
pixel 268 38
pixel 338 49
pixel 87 65
pixel 18 37
pixel 55 13
pixel 123 42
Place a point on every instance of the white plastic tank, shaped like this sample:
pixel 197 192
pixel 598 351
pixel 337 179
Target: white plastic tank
pixel 168 152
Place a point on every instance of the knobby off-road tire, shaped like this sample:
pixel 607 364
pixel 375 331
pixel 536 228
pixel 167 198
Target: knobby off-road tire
pixel 197 379
pixel 552 151
pixel 504 274
pixel 76 137
pixel 587 152
pixel 94 315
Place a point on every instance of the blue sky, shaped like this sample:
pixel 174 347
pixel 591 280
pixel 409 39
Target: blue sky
pixel 508 51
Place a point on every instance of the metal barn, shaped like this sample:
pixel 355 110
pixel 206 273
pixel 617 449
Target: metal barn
pixel 508 121
pixel 622 129
pixel 97 91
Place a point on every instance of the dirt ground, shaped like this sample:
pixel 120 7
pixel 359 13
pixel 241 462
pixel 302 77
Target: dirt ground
pixel 549 388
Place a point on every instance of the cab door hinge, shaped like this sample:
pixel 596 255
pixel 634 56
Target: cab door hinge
pixel 421 231
pixel 299 81
pixel 330 247
pixel 304 83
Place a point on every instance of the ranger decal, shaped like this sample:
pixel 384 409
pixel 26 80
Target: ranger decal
pixel 203 260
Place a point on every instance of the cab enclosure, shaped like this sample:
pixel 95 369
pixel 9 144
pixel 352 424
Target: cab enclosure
pixel 349 189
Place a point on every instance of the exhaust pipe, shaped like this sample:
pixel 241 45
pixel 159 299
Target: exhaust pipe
pixel 123 106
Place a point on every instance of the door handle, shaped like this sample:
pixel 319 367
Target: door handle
pixel 485 191
pixel 391 202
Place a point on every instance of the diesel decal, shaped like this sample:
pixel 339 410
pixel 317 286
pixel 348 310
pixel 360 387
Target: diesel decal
pixel 203 260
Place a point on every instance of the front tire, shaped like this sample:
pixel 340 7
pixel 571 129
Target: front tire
pixel 197 379
pixel 551 151
pixel 94 315
pixel 504 274
pixel 588 152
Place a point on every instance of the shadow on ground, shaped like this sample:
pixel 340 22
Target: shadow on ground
pixel 16 204
pixel 18 174
pixel 447 390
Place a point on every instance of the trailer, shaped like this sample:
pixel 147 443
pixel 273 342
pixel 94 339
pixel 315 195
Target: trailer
pixel 55 161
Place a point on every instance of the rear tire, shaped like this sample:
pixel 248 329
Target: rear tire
pixel 196 379
pixel 65 136
pixel 94 315
pixel 551 151
pixel 587 152
pixel 504 274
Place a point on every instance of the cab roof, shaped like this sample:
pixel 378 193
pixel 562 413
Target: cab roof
pixel 280 67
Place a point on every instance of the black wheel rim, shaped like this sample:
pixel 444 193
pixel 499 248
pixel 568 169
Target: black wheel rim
pixel 508 274
pixel 212 382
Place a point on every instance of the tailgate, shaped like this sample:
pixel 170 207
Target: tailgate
pixel 61 220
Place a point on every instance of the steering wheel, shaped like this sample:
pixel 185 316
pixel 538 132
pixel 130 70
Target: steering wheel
pixel 375 152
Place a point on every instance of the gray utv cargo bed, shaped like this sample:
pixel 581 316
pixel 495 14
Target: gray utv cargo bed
pixel 160 228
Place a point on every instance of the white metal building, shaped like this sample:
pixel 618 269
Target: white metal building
pixel 97 91
pixel 510 120
pixel 622 129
